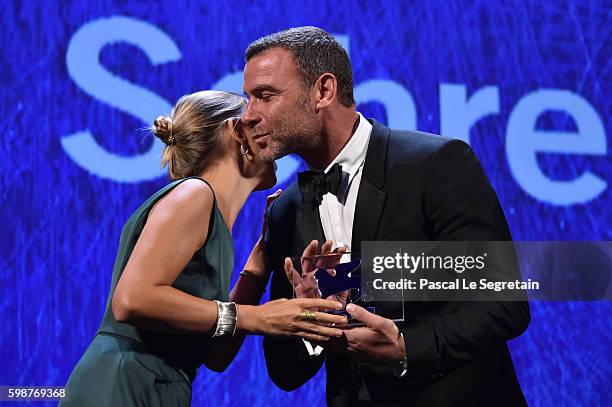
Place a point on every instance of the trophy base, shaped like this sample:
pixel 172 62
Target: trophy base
pixel 352 321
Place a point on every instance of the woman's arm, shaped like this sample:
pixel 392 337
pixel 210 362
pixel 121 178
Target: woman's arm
pixel 144 297
pixel 248 290
pixel 176 227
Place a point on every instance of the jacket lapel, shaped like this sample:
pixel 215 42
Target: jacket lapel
pixel 371 198
pixel 309 223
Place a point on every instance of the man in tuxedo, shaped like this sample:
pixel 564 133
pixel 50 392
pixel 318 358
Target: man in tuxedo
pixel 375 183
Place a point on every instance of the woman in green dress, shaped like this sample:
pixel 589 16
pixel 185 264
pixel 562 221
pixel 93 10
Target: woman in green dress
pixel 169 309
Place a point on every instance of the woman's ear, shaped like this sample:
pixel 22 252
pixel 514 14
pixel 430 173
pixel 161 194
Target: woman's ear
pixel 238 137
pixel 235 134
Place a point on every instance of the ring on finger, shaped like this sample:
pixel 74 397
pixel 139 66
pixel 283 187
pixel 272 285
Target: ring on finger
pixel 307 315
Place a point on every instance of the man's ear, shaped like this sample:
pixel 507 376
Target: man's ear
pixel 326 88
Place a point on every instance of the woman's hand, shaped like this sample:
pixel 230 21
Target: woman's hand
pixel 256 263
pixel 306 285
pixel 269 200
pixel 285 318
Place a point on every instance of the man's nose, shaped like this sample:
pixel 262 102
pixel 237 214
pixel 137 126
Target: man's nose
pixel 250 116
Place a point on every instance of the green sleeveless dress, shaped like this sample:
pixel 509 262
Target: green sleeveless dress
pixel 127 366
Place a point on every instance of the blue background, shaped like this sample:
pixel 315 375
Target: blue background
pixel 61 220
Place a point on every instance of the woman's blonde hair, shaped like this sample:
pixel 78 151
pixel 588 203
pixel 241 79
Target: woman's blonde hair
pixel 191 132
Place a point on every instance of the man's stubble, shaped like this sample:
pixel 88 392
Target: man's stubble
pixel 299 132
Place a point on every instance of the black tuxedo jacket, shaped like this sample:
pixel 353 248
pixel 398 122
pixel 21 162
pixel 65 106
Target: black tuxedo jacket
pixel 414 186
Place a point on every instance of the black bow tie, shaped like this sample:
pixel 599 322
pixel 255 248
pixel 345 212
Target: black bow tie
pixel 314 184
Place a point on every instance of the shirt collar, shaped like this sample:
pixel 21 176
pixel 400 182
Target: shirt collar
pixel 353 154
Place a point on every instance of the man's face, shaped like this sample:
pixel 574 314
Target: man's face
pixel 280 112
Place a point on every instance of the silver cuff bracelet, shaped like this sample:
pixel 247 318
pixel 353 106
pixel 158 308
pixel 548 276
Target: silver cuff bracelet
pixel 227 317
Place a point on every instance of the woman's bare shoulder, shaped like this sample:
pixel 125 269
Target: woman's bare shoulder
pixel 190 198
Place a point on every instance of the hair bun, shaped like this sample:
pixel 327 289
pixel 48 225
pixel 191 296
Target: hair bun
pixel 163 130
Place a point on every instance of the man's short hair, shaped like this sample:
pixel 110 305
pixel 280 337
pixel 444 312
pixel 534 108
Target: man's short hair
pixel 315 52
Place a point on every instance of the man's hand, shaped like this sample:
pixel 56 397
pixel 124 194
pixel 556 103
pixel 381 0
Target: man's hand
pixel 378 342
pixel 306 285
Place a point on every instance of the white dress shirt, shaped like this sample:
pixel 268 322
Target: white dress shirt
pixel 337 211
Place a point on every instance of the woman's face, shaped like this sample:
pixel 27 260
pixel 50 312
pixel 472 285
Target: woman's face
pixel 264 171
